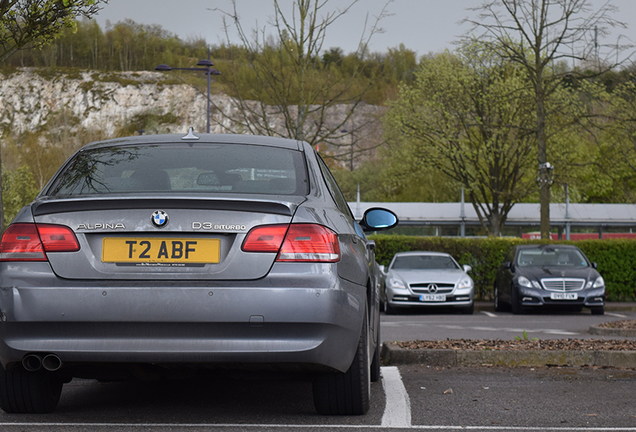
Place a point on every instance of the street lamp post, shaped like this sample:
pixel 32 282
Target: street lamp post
pixel 207 68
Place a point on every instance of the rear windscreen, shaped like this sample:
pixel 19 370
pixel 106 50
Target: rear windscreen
pixel 177 168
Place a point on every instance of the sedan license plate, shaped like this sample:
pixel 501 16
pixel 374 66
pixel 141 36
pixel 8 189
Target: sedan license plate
pixel 161 250
pixel 564 296
pixel 433 297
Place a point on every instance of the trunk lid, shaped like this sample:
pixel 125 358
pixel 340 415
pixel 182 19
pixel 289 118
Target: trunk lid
pixel 189 238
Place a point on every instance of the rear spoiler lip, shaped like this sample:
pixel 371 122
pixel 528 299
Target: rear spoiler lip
pixel 283 208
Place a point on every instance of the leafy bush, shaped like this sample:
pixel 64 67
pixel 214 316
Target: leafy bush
pixel 18 189
pixel 615 258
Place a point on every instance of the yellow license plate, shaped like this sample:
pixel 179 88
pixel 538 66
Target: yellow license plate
pixel 161 250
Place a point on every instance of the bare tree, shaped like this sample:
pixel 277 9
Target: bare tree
pixel 536 34
pixel 293 93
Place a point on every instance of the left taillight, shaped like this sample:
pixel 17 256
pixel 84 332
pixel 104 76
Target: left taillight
pixel 295 242
pixel 30 242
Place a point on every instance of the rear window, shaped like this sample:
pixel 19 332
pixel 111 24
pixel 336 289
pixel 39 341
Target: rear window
pixel 177 169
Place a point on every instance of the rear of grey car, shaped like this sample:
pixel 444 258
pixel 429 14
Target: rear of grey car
pixel 167 252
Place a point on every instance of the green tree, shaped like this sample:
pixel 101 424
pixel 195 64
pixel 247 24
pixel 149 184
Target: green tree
pixel 468 117
pixel 535 34
pixel 610 174
pixel 36 23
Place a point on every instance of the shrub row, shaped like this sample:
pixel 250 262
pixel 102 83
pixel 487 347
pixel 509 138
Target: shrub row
pixel 615 258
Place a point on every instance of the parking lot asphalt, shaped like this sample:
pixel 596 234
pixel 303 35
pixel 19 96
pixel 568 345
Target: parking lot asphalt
pixel 394 355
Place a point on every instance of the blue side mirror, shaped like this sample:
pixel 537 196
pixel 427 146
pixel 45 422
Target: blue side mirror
pixel 378 219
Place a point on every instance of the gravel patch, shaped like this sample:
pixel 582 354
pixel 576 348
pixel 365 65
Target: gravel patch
pixel 527 344
pixel 625 324
pixel 523 345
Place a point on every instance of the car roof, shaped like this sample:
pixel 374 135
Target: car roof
pixel 421 253
pixel 546 246
pixel 192 137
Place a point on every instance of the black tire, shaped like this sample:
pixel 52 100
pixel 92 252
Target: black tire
pixel 499 307
pixel 346 393
pixel 598 310
pixel 375 362
pixel 388 309
pixel 516 305
pixel 468 310
pixel 29 392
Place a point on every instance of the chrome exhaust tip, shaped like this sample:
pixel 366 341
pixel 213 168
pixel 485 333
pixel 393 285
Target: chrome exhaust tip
pixel 51 362
pixel 32 362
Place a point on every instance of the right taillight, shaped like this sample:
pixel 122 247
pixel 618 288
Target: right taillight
pixel 295 242
pixel 310 242
pixel 29 242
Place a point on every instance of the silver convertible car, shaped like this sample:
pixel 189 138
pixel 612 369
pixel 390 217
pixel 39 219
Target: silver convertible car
pixel 165 253
pixel 427 279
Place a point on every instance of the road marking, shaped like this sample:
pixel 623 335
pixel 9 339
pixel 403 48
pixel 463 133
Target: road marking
pixel 559 332
pixel 511 330
pixel 490 314
pixel 480 328
pixel 616 315
pixel 397 412
pixel 262 426
pixel 485 328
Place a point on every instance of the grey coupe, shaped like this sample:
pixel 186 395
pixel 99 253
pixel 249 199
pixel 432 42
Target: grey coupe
pixel 171 252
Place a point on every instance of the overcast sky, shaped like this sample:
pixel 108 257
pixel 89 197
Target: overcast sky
pixel 423 26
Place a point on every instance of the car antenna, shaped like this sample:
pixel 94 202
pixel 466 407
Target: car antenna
pixel 190 136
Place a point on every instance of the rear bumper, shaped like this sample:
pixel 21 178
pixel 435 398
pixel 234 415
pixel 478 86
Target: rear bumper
pixel 312 320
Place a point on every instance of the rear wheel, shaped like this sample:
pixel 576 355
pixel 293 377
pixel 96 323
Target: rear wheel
pixel 375 362
pixel 29 392
pixel 346 393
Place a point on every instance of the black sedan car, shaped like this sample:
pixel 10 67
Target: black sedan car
pixel 164 254
pixel 548 275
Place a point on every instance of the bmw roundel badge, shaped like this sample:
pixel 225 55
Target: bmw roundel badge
pixel 159 218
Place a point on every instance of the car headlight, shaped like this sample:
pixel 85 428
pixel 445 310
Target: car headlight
pixel 465 283
pixel 396 283
pixel 525 282
pixel 598 283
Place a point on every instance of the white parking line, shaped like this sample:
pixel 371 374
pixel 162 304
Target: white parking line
pixel 615 315
pixel 397 412
pixel 558 332
pixel 511 330
pixel 490 314
pixel 262 426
